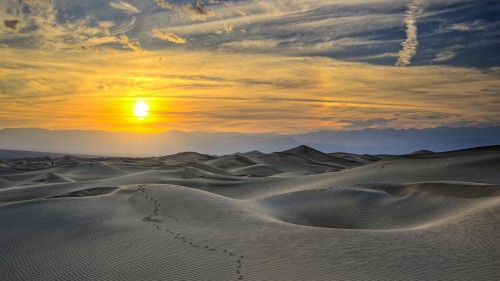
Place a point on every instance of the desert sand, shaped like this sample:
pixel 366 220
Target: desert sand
pixel 299 214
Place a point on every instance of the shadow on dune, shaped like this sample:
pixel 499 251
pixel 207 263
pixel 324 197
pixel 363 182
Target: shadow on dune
pixel 377 206
pixel 88 192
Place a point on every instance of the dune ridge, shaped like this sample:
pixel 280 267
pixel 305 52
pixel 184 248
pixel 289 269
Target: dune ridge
pixel 298 214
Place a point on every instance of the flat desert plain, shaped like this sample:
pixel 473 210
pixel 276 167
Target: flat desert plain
pixel 299 214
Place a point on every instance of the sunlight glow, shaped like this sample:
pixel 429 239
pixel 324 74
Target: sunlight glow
pixel 141 110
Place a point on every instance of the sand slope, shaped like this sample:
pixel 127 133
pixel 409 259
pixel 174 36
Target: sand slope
pixel 295 215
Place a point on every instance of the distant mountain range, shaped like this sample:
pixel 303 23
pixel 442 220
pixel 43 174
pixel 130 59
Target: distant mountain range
pixel 367 141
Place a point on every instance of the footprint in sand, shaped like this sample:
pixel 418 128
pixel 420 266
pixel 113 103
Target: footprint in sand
pixel 156 223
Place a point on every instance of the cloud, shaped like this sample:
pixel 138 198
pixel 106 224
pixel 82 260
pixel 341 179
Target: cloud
pixel 444 56
pixel 409 50
pixel 42 28
pixel 468 26
pixel 228 28
pixel 165 5
pixel 198 11
pixel 301 28
pixel 124 7
pixel 11 24
pixel 120 27
pixel 363 124
pixel 168 36
pixel 251 45
pixel 133 45
pixel 32 2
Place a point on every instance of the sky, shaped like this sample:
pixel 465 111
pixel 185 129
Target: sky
pixel 281 66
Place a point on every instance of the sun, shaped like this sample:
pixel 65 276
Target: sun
pixel 141 110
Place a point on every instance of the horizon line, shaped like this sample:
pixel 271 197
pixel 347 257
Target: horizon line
pixel 249 133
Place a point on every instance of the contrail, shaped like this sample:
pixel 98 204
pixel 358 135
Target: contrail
pixel 409 50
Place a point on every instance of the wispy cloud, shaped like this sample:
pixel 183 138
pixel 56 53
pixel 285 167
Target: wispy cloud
pixel 168 36
pixel 165 5
pixel 131 44
pixel 197 11
pixel 38 25
pixel 250 45
pixel 228 28
pixel 476 25
pixel 409 50
pixel 124 7
pixel 36 1
pixel 444 56
pixel 378 123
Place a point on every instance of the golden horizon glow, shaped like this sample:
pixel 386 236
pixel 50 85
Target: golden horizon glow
pixel 141 109
pixel 254 93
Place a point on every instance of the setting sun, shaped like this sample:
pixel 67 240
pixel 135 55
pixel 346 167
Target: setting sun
pixel 141 110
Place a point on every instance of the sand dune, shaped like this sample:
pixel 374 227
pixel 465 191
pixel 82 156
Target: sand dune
pixel 295 215
pixel 258 170
pixel 52 178
pixel 232 162
pixel 189 156
pixel 379 206
pixel 318 156
pixel 362 159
